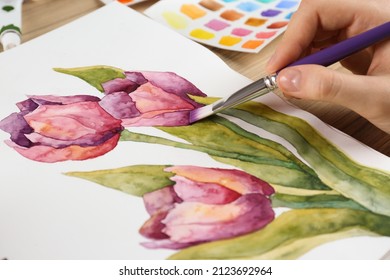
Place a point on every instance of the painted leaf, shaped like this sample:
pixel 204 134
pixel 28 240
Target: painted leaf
pixel 271 168
pixel 314 201
pixel 292 234
pixel 268 157
pixel 367 186
pixel 94 75
pixel 135 180
pixel 283 179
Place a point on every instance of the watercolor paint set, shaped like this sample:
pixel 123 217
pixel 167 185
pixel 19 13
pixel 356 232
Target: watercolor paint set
pixel 126 2
pixel 239 25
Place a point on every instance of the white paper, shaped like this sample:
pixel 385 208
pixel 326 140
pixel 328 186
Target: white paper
pixel 47 215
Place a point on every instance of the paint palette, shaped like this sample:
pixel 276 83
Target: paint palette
pixel 240 25
pixel 126 2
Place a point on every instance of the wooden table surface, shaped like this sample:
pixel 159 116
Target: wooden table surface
pixel 41 16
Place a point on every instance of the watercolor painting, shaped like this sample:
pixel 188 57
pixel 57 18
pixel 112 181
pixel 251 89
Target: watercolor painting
pixel 245 26
pixel 267 203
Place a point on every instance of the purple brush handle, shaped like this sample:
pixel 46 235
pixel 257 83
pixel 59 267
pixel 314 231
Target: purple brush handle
pixel 347 47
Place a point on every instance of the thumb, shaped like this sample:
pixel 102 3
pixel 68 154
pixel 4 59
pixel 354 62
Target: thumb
pixel 363 94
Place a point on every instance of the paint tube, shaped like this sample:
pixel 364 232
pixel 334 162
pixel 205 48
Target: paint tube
pixel 10 23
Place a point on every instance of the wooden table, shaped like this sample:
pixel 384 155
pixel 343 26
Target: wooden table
pixel 41 16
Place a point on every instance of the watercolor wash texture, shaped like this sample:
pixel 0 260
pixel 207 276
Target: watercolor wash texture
pixel 245 26
pixel 208 213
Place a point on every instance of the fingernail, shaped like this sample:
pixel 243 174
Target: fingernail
pixel 289 80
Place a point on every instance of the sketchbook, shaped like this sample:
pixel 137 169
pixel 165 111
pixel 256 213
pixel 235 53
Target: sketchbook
pixel 98 160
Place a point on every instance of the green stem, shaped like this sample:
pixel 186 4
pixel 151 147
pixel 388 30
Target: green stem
pixel 138 137
pixel 274 145
pixel 275 171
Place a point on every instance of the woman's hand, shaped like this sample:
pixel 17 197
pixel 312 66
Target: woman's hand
pixel 320 23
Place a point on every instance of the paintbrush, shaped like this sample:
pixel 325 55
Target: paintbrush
pixel 323 57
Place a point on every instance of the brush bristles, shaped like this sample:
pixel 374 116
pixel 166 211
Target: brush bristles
pixel 201 113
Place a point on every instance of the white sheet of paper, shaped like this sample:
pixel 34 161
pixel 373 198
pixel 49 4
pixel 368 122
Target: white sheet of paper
pixel 46 215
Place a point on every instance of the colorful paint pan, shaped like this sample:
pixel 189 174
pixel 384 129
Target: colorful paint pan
pixel 239 25
pixel 211 5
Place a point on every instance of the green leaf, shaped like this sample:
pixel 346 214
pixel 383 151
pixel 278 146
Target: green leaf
pixel 263 141
pixel 292 234
pixel 273 170
pixel 208 133
pixel 314 201
pixel 367 186
pixel 94 75
pixel 279 166
pixel 290 178
pixel 135 180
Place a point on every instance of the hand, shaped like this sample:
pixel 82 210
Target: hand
pixel 320 23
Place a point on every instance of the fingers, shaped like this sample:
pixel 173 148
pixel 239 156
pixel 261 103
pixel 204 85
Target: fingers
pixel 316 23
pixel 366 95
pixel 358 63
pixel 320 23
pixel 293 43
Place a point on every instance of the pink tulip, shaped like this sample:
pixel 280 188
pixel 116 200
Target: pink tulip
pixel 59 128
pixel 151 99
pixel 205 204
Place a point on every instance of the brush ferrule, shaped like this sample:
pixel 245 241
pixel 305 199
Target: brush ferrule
pixel 251 91
pixel 270 81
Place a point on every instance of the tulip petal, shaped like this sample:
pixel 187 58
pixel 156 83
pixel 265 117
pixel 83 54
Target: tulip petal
pixel 158 108
pixel 34 101
pixel 136 77
pixel 153 227
pixel 72 121
pixel 50 154
pixel 118 85
pixel 27 105
pixel 63 100
pixel 171 82
pixel 156 99
pixel 151 98
pixel 166 244
pixel 119 105
pixel 162 199
pixel 159 118
pixel 132 81
pixel 17 127
pixel 57 128
pixel 190 222
pixel 84 141
pixel 235 180
pixel 208 193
